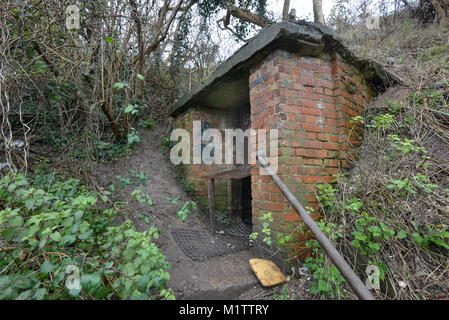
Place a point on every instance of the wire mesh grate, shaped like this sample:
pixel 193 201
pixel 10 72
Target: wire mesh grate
pixel 239 229
pixel 200 246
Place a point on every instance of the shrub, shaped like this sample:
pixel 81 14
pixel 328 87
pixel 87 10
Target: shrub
pixel 53 229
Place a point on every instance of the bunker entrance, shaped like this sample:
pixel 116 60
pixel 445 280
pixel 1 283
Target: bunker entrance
pixel 241 184
pixel 246 200
pixel 200 245
pixel 242 208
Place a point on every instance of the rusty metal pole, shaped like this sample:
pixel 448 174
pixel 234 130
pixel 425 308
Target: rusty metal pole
pixel 354 281
pixel 211 191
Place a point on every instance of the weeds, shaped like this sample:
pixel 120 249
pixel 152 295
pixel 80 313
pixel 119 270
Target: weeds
pixel 391 210
pixel 53 230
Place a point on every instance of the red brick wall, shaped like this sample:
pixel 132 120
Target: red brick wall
pixel 311 101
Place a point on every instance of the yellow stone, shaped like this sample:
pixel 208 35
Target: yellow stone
pixel 267 272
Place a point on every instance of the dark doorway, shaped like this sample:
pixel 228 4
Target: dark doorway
pixel 246 200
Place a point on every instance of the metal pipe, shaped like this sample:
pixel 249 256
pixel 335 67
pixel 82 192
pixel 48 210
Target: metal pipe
pixel 354 281
pixel 211 194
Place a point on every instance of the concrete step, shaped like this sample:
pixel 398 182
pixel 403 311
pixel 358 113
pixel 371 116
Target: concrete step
pixel 224 277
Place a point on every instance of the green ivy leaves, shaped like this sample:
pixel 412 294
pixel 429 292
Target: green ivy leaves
pixel 119 85
pixel 52 226
pixel 108 39
pixel 47 267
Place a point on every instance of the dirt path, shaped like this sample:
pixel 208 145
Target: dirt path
pixel 221 277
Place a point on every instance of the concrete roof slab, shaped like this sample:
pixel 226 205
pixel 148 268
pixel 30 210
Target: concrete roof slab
pixel 228 86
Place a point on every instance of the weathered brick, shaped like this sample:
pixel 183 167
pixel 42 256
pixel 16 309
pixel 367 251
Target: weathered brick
pixel 311 127
pixel 292 217
pixel 311 144
pixel 307 99
pixel 331 146
pixel 310 111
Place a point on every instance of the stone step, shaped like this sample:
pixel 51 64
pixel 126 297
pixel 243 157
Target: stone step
pixel 224 277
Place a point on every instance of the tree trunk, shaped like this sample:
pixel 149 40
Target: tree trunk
pixel 441 8
pixel 112 121
pixel 140 57
pixel 318 11
pixel 285 10
pixel 248 16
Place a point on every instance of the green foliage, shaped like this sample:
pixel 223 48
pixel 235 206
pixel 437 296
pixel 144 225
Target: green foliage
pixel 403 186
pixel 357 119
pixel 132 138
pixel 140 178
pixel 147 124
pixel 135 179
pixel 181 44
pixel 222 217
pixel 435 99
pixel 266 219
pixel 104 151
pixel 369 231
pixel 182 179
pixel 108 39
pixel 132 109
pixel 327 279
pixel 185 210
pixel 283 239
pixel 422 181
pixel 266 231
pixel 439 238
pixel 283 295
pixel 326 195
pixel 404 146
pixel 394 108
pixel 382 121
pixel 116 190
pixel 119 85
pixel 141 197
pixel 407 186
pixel 342 16
pixel 435 52
pixel 369 234
pixel 166 143
pixel 428 98
pixel 353 205
pixel 51 224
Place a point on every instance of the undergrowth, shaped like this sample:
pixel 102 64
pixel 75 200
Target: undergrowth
pixel 58 241
pixel 390 212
